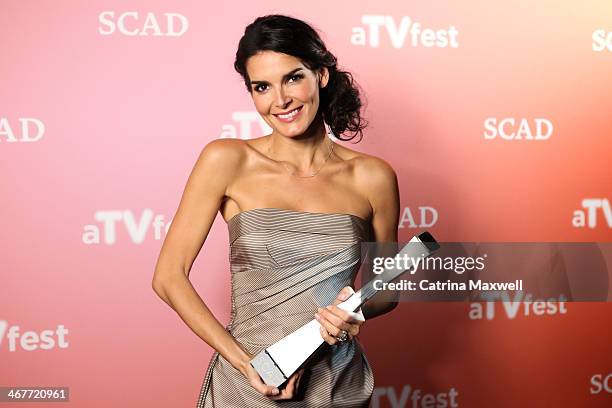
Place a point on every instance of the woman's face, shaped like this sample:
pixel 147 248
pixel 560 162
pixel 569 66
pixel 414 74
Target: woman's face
pixel 285 91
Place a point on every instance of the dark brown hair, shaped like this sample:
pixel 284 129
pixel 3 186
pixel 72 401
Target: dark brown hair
pixel 340 99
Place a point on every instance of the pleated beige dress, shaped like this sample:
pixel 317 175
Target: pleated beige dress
pixel 284 265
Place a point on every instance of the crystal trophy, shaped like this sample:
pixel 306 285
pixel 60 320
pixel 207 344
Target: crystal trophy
pixel 279 361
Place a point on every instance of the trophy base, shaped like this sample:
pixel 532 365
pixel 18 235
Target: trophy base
pixel 267 368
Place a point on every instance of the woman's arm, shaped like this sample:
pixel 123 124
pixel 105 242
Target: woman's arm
pixel 379 184
pixel 381 187
pixel 206 187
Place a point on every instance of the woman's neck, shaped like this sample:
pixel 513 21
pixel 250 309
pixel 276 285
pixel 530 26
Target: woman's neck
pixel 304 152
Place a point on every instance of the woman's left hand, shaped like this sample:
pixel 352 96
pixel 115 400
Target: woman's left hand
pixel 333 319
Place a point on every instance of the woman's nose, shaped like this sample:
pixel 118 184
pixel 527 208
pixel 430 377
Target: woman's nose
pixel 281 99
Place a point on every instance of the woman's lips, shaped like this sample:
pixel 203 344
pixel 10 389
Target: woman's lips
pixel 290 117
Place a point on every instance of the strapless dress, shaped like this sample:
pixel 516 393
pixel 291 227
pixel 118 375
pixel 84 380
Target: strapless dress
pixel 284 265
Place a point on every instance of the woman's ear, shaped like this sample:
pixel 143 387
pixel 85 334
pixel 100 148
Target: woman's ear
pixel 323 77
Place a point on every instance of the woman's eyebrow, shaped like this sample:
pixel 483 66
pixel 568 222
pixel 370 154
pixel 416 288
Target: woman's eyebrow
pixel 286 76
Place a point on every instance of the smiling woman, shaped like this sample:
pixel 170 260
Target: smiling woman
pixel 297 206
pixel 314 74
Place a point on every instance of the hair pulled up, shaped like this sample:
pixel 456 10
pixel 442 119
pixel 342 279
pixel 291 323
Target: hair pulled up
pixel 340 101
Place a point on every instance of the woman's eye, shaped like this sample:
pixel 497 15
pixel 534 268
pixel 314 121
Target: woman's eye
pixel 261 87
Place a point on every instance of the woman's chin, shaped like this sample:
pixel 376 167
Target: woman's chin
pixel 292 132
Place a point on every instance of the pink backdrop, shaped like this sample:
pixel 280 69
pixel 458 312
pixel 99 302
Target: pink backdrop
pixel 101 124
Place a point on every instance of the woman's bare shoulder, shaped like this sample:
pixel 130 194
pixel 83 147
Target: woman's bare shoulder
pixel 225 146
pixel 222 159
pixel 238 148
pixel 376 179
pixel 367 166
pixel 225 152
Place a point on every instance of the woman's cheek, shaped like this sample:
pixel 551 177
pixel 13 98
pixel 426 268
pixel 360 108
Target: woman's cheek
pixel 260 105
pixel 308 93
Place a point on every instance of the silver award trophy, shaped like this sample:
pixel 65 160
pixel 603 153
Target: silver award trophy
pixel 278 362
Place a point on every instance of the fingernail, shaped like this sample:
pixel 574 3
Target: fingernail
pixel 329 307
pixel 317 316
pixel 319 310
pixel 275 391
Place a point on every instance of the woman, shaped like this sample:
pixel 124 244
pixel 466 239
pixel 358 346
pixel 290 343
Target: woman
pixel 297 206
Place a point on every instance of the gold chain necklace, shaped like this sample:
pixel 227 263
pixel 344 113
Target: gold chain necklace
pixel 293 173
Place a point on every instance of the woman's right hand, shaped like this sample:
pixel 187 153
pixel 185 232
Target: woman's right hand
pixel 288 392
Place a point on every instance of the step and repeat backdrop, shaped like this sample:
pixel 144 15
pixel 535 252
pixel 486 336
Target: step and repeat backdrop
pixel 496 117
